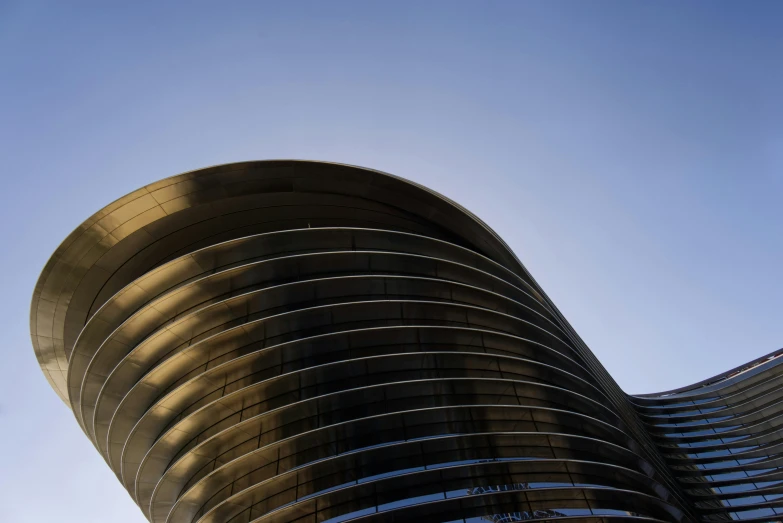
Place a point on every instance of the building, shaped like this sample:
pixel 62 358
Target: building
pixel 291 341
pixel 722 440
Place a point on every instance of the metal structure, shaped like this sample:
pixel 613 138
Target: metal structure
pixel 722 439
pixel 289 341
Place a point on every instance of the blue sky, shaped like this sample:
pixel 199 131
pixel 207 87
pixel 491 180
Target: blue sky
pixel 631 153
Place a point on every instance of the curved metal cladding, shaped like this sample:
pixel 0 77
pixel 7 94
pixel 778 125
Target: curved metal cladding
pixel 722 439
pixel 291 341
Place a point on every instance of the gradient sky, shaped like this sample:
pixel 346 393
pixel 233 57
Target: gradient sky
pixel 631 153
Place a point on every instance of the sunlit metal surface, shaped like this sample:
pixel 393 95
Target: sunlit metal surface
pixel 291 341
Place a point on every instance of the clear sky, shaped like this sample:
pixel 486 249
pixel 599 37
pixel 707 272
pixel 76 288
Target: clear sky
pixel 631 153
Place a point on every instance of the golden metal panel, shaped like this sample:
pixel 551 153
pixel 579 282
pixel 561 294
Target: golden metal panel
pixel 283 339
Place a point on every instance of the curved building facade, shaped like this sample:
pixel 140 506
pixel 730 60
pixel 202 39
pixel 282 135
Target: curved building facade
pixel 290 341
pixel 722 439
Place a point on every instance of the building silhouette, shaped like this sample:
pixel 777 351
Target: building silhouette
pixel 290 341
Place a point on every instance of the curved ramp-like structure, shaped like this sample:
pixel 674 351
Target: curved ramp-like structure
pixel 291 341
